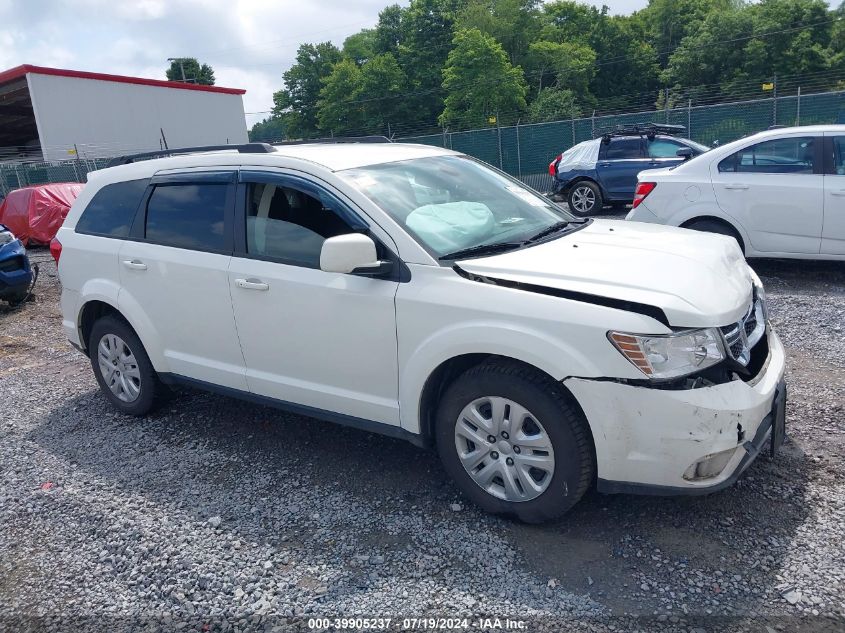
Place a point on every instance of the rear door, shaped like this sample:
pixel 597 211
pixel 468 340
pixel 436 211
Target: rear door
pixel 174 275
pixel 775 190
pixel 833 232
pixel 619 162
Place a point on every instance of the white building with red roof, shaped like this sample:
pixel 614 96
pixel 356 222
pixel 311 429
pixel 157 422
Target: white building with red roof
pixel 52 114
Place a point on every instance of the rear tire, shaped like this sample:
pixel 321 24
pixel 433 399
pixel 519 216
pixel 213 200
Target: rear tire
pixel 122 368
pixel 584 198
pixel 538 411
pixel 713 226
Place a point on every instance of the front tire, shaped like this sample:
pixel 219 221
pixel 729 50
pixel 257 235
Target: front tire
pixel 514 442
pixel 584 198
pixel 122 368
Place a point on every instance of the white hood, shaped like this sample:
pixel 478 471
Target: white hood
pixel 697 279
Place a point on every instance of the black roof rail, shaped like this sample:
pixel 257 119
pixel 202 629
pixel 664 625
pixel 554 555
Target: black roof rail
pixel 338 139
pixel 245 148
pixel 642 129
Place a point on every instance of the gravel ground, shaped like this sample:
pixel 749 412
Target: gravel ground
pixel 218 515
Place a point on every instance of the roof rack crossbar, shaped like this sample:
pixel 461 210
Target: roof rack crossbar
pixel 245 148
pixel 338 139
pixel 641 128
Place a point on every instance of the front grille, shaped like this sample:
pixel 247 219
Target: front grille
pixel 11 265
pixel 742 336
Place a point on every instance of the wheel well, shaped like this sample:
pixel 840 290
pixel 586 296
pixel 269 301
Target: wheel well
pixel 725 223
pixel 91 312
pixel 449 370
pixel 578 179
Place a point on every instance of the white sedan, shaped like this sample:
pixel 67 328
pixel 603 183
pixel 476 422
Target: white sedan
pixel 780 193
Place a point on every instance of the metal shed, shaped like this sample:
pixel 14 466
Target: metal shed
pixel 51 114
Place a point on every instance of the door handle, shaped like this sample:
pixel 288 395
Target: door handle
pixel 841 192
pixel 736 186
pixel 134 264
pixel 604 164
pixel 252 284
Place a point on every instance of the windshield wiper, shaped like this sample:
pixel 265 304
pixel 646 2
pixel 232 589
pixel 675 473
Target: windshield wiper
pixel 554 228
pixel 482 249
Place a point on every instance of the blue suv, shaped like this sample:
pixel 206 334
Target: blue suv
pixel 604 170
pixel 15 271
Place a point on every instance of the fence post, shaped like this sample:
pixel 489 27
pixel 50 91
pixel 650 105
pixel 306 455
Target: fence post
pixel 593 131
pixel 666 103
pixel 689 118
pixel 518 153
pixel 798 108
pixel 573 130
pixel 775 100
pixel 444 138
pixel 499 135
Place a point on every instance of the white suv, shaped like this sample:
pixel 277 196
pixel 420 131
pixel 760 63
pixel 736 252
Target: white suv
pixel 413 291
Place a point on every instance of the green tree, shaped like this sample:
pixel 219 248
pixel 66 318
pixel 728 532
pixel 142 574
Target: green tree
pixel 296 103
pixel 336 110
pixel 515 24
pixel 388 35
pixel 360 46
pixel 553 104
pixel 426 37
pixel 383 94
pixel 564 65
pixel 479 81
pixel 193 72
pixel 269 130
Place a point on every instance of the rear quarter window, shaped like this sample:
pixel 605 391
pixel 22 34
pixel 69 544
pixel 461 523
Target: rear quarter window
pixel 112 209
pixel 188 216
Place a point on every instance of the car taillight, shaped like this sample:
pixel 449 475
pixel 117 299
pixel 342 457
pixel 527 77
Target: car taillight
pixel 643 189
pixel 553 165
pixel 56 249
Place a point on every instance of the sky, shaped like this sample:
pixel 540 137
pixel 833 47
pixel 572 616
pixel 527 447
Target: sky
pixel 249 43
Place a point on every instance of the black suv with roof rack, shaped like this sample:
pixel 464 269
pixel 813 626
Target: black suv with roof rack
pixel 604 170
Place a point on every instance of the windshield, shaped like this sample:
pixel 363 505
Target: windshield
pixel 452 203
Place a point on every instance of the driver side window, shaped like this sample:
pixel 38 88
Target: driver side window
pixel 288 224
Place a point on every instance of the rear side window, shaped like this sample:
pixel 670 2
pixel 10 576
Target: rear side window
pixel 188 216
pixel 112 209
pixel 663 148
pixel 792 155
pixel 620 148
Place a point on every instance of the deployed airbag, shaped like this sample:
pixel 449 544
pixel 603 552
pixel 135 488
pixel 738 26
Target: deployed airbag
pixel 452 225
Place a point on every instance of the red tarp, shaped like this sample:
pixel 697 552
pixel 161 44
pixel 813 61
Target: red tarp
pixel 34 214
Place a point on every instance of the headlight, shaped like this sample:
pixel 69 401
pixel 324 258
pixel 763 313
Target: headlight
pixel 671 356
pixel 6 237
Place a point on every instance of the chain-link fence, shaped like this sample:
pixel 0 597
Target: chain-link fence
pixel 525 151
pixel 24 174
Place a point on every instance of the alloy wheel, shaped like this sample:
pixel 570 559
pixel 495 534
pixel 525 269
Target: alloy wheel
pixel 583 199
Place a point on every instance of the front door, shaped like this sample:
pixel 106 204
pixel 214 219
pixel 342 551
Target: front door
pixel 775 190
pixel 833 233
pixel 316 339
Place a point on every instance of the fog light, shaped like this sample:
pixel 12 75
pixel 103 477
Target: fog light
pixel 709 466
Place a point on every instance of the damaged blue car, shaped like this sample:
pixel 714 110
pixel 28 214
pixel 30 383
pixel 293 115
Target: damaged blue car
pixel 15 269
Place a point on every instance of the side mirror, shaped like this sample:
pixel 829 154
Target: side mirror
pixel 685 153
pixel 352 253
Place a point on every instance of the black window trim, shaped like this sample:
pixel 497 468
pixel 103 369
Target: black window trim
pixel 820 164
pixel 246 177
pixel 225 177
pixel 133 216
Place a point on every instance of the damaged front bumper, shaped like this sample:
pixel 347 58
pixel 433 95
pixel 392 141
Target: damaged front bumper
pixel 681 442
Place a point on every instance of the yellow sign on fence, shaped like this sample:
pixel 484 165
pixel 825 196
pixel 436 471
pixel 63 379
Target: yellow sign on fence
pixel 769 86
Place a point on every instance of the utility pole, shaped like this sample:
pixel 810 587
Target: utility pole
pixel 181 61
